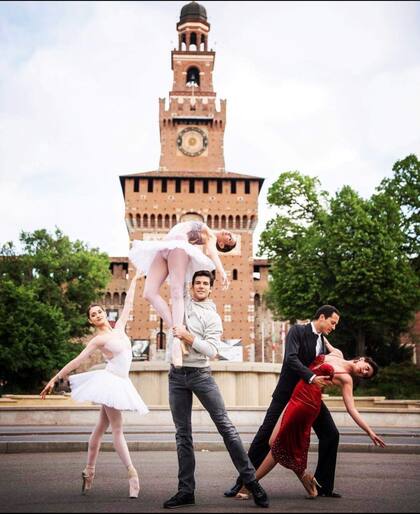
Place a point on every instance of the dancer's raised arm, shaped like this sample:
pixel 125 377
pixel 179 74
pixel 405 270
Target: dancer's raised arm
pixel 128 304
pixel 345 381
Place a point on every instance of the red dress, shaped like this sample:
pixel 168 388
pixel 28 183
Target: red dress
pixel 290 448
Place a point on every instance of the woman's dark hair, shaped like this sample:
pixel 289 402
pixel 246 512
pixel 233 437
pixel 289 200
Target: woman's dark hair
pixel 203 273
pixel 91 306
pixel 226 248
pixel 370 361
pixel 327 311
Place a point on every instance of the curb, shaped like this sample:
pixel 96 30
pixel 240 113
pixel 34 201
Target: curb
pixel 78 446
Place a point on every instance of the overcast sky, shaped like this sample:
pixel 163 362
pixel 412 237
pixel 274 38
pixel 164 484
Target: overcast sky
pixel 331 89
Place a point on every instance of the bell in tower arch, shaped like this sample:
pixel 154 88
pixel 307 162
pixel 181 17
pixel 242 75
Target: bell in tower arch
pixel 193 76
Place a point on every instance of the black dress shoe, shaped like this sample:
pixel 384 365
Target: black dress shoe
pixel 258 493
pixel 179 500
pixel 233 491
pixel 329 495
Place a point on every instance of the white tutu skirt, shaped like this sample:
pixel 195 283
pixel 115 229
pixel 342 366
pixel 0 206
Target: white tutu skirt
pixel 105 388
pixel 142 254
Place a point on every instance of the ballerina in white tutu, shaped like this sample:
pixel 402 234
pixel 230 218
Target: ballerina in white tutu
pixel 110 387
pixel 178 257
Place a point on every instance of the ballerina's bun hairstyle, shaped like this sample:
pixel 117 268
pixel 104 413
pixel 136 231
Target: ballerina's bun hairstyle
pixel 226 248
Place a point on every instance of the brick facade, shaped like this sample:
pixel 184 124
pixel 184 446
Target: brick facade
pixel 191 183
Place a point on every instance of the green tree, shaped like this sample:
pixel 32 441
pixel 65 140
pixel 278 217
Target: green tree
pixel 344 251
pixel 45 290
pixel 404 189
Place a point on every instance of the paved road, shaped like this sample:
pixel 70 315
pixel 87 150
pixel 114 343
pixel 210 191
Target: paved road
pixel 74 438
pixel 51 483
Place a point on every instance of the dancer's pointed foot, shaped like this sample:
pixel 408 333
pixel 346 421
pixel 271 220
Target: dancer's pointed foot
pixel 176 353
pixel 88 474
pixel 133 481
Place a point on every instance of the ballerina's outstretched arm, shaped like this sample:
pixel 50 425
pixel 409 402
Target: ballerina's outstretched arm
pixel 95 343
pixel 346 383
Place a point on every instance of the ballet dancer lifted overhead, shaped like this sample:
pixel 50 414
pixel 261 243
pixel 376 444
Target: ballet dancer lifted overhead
pixel 178 257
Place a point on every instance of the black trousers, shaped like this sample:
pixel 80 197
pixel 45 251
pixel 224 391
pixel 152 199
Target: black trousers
pixel 325 430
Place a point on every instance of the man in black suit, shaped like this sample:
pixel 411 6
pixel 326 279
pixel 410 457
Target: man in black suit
pixel 303 344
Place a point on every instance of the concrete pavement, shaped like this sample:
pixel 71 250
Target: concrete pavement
pixel 15 439
pixel 51 483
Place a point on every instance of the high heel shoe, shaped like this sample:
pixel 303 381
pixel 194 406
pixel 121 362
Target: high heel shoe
pixel 133 481
pixel 309 482
pixel 88 474
pixel 176 353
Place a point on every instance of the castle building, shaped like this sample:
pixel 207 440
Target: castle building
pixel 192 183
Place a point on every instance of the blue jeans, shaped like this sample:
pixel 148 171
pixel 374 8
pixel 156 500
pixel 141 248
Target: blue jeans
pixel 183 382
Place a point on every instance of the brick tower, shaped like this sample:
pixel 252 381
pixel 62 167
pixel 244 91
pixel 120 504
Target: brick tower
pixel 191 182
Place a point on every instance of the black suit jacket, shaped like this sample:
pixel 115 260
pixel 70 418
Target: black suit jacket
pixel 299 353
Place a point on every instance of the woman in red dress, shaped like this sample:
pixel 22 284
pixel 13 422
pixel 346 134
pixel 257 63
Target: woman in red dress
pixel 290 439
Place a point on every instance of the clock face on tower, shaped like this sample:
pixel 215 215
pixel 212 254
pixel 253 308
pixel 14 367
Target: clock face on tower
pixel 192 141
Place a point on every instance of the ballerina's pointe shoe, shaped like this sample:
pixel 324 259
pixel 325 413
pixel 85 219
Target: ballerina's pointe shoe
pixel 176 353
pixel 88 474
pixel 133 481
pixel 309 482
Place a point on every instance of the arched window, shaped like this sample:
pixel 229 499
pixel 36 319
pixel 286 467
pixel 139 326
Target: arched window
pixel 174 221
pixel 116 299
pixel 167 221
pixel 193 41
pixel 238 222
pixel 245 222
pixel 183 43
pixel 216 221
pixel 123 296
pixel 223 221
pixel 253 221
pixel 257 301
pixel 203 42
pixel 152 221
pixel 193 76
pixel 131 220
pixel 209 221
pixel 145 220
pixel 235 274
pixel 108 299
pixel 138 221
pixel 230 222
pixel 159 221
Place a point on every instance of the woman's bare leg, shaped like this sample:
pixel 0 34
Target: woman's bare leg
pixel 266 465
pixel 157 274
